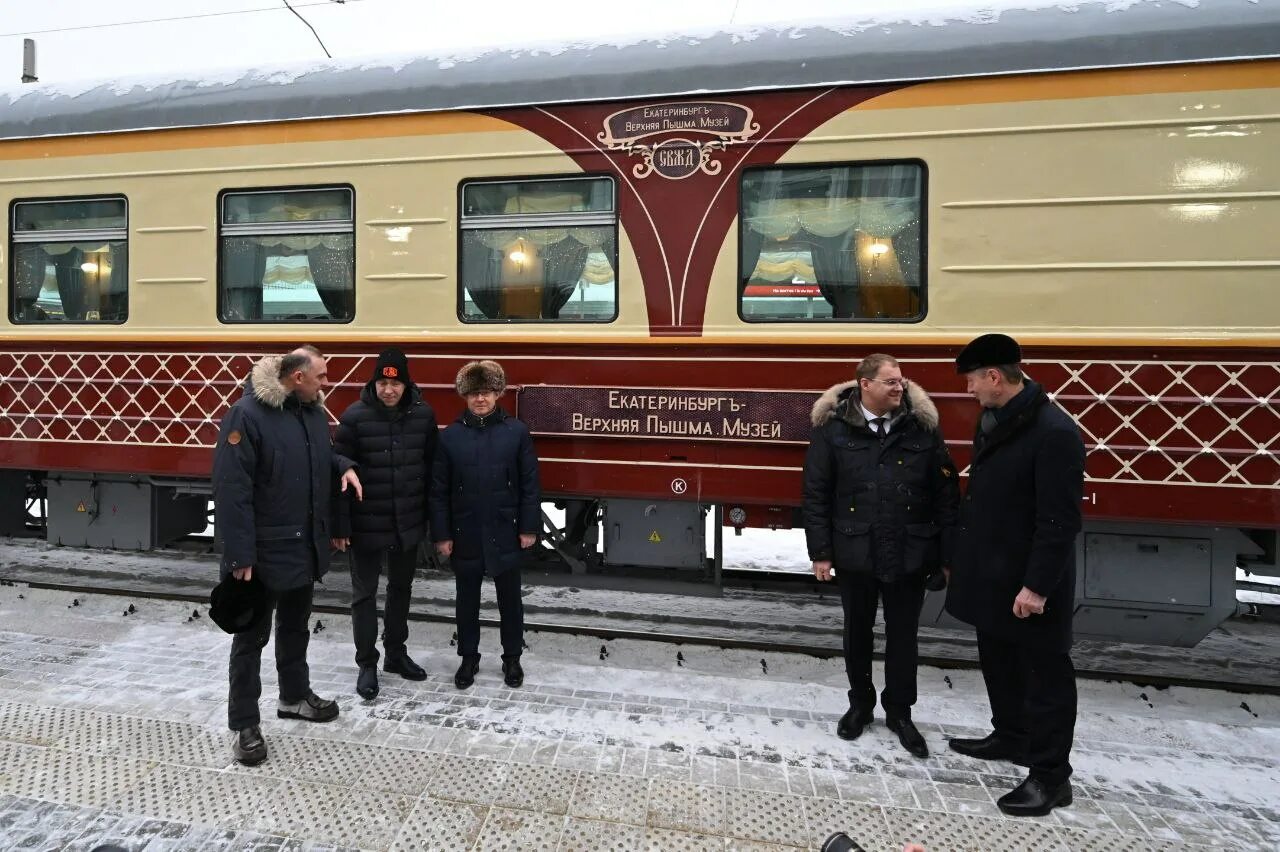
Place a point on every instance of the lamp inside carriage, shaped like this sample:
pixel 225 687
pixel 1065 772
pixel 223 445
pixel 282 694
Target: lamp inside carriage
pixel 671 279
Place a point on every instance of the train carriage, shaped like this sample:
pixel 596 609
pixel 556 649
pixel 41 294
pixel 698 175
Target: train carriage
pixel 673 245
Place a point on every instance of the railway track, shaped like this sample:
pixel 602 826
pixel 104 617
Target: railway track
pixel 678 637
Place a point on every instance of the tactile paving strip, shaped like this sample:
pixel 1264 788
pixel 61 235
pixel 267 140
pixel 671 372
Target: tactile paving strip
pixel 366 820
pixel 864 823
pixel 589 835
pixel 683 806
pixel 1081 840
pixel 1023 835
pixel 471 780
pixel 315 760
pixel 436 826
pixel 85 779
pixel 520 831
pixel 536 788
pixel 599 796
pixel 400 771
pixel 198 795
pixel 769 817
pixel 664 840
pixel 299 810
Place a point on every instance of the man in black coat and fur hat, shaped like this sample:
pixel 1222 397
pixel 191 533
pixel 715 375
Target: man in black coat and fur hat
pixel 880 495
pixel 485 512
pixel 1013 574
pixel 391 433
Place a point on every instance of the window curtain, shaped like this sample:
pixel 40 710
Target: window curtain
pixel 115 294
pixel 836 271
pixel 482 270
pixel 562 267
pixel 752 245
pixel 71 282
pixel 331 272
pixel 244 265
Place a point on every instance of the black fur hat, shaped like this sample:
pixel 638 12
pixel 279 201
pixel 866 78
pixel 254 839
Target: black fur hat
pixel 479 376
pixel 236 605
pixel 989 350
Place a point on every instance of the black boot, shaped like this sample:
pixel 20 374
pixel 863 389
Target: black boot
pixel 512 674
pixel 249 748
pixel 367 683
pixel 991 747
pixel 466 674
pixel 852 723
pixel 908 735
pixel 1035 798
pixel 403 665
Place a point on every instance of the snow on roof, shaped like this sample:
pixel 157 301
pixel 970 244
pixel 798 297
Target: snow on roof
pixel 899 45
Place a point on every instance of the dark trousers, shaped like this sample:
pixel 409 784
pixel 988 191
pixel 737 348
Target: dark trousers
pixel 859 592
pixel 292 612
pixel 1033 701
pixel 510 609
pixel 366 566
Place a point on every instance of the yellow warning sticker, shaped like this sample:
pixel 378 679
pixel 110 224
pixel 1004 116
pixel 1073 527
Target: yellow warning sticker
pixel 80 507
pixel 655 538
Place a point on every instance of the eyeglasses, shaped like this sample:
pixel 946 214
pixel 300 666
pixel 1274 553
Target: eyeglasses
pixel 891 383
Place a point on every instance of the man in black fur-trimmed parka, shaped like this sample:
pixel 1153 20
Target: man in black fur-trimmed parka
pixel 880 505
pixel 273 471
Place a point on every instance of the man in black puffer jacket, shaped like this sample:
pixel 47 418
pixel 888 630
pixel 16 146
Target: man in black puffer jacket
pixel 485 510
pixel 880 504
pixel 391 433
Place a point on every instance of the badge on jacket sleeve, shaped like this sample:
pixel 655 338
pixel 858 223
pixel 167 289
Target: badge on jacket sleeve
pixel 233 437
pixel 946 471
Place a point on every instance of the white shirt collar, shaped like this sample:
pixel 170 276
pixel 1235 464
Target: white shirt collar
pixel 869 416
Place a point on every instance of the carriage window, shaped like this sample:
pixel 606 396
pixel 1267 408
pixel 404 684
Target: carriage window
pixel 540 250
pixel 832 243
pixel 287 256
pixel 70 261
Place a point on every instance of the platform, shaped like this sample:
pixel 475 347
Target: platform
pixel 112 730
pixel 803 617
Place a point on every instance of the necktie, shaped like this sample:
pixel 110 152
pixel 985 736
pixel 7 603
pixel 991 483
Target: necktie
pixel 878 425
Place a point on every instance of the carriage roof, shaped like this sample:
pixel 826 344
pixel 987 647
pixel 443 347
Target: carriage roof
pixel 890 47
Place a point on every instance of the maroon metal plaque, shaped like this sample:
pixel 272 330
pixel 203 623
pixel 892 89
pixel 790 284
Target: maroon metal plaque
pixel 779 417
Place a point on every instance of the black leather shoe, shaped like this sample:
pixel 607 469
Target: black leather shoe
pixel 990 747
pixel 512 674
pixel 466 674
pixel 404 666
pixel 908 735
pixel 1033 798
pixel 367 683
pixel 249 748
pixel 852 723
pixel 313 708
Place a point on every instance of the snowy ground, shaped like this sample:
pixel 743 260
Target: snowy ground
pixel 112 729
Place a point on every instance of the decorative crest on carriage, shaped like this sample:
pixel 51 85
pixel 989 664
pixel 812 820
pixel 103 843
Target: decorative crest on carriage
pixel 677 157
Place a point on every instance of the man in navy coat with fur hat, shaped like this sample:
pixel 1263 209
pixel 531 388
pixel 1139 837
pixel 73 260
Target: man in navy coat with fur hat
pixel 880 495
pixel 1013 574
pixel 485 511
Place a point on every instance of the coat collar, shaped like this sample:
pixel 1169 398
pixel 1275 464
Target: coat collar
pixel 844 401
pixel 466 418
pixel 264 385
pixel 1007 427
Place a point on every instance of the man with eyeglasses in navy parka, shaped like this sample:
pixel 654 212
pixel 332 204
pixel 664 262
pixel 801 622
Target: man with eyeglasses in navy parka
pixel 880 504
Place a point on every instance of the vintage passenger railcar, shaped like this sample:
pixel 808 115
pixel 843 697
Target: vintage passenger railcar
pixel 673 245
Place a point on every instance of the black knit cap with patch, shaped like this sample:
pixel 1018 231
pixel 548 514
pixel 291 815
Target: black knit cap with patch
pixel 392 364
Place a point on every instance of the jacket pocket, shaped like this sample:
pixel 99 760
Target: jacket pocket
pixel 851 546
pixel 923 548
pixel 281 532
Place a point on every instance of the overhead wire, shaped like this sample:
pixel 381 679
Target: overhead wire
pixel 111 24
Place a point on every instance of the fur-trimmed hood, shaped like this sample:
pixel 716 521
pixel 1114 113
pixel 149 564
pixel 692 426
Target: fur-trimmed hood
pixel 264 383
pixel 845 401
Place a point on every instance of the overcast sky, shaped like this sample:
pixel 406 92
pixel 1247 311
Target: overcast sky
pixel 79 39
